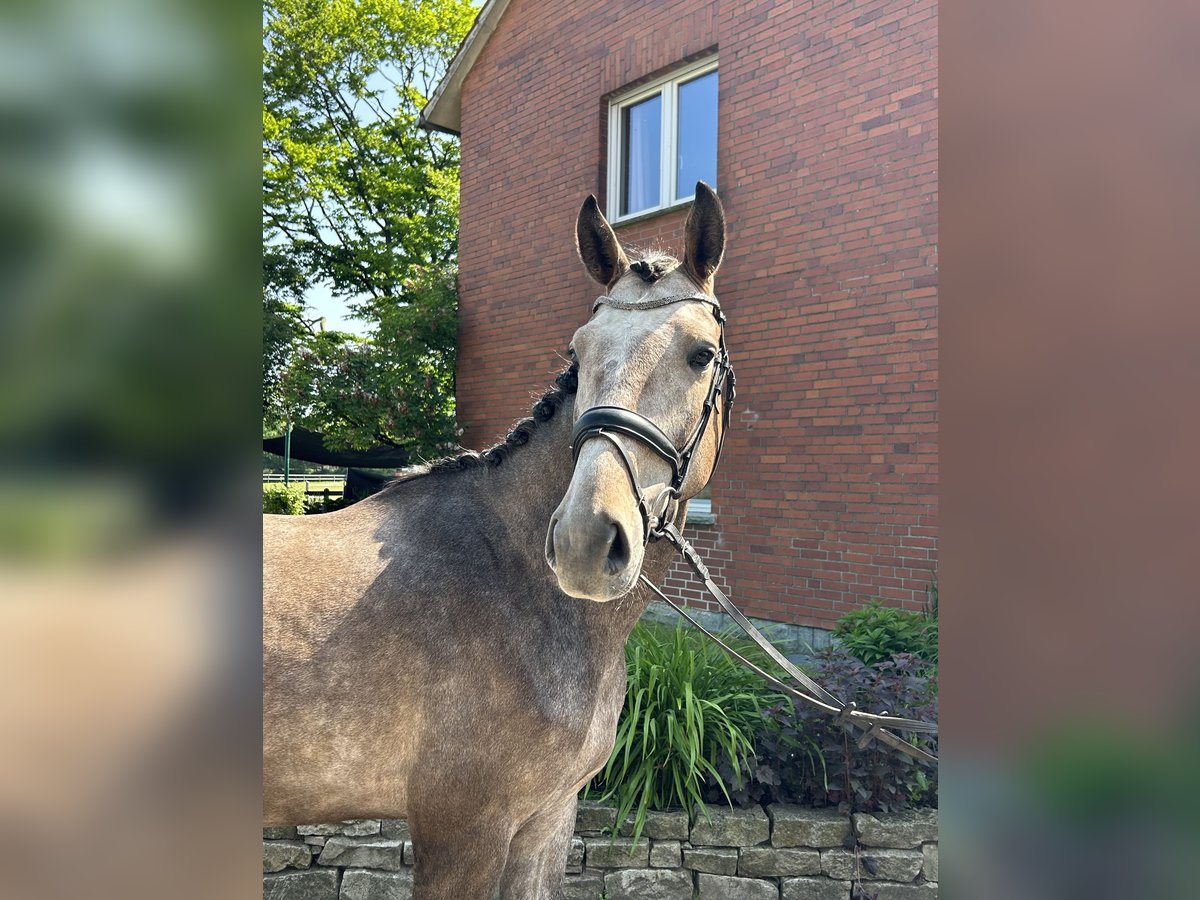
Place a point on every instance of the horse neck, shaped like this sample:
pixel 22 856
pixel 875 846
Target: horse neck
pixel 529 485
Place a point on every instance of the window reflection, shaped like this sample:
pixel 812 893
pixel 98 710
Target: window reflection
pixel 641 155
pixel 696 147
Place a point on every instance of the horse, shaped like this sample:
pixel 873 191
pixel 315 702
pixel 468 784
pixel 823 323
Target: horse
pixel 451 650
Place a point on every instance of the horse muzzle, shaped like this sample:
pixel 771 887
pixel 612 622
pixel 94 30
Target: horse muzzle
pixel 594 542
pixel 593 560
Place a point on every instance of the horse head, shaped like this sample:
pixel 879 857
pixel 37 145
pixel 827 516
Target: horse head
pixel 652 403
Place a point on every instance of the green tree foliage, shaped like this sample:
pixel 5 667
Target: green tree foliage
pixel 359 198
pixel 396 387
pixel 284 327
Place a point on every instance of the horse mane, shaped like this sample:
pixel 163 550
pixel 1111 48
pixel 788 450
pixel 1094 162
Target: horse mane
pixel 566 383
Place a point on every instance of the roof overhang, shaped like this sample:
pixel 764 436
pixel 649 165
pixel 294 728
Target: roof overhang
pixel 443 112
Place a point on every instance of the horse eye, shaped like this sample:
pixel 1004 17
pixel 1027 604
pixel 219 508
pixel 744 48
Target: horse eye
pixel 701 358
pixel 571 352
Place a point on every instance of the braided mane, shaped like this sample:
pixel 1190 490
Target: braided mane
pixel 566 384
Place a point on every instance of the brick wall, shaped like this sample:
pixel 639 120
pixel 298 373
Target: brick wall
pixel 827 166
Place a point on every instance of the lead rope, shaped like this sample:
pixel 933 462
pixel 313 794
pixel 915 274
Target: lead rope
pixel 874 725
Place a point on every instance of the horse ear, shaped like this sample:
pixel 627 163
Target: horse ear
pixel 598 246
pixel 704 236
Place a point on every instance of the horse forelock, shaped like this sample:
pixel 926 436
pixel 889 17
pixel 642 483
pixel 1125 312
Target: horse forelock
pixel 653 264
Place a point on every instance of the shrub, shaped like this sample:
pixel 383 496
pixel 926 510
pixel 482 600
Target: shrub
pixel 808 757
pixel 688 706
pixel 284 499
pixel 876 633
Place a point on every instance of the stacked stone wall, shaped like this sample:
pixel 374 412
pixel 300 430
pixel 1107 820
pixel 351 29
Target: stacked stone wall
pixel 781 853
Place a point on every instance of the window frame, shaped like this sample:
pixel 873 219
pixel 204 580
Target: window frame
pixel 668 86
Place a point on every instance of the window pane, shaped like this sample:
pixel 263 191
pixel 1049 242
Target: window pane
pixel 696 157
pixel 641 127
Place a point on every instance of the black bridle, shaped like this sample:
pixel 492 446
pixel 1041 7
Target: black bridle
pixel 607 421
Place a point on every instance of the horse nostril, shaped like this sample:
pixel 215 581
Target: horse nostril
pixel 618 550
pixel 550 557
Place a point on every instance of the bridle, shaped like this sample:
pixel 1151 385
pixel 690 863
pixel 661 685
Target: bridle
pixel 608 421
pixel 658 521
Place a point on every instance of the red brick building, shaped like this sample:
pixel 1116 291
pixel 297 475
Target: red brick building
pixel 826 162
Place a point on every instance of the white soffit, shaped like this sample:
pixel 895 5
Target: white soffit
pixel 443 112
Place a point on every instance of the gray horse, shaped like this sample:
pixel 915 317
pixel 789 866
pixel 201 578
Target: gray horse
pixel 423 660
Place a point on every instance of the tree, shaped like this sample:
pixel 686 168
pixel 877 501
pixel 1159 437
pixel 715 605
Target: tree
pixel 396 387
pixel 284 326
pixel 357 196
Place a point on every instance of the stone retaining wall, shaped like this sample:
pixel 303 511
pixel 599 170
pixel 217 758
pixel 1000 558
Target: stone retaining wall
pixel 784 853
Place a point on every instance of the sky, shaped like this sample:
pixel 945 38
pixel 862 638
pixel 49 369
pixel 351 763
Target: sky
pixel 322 302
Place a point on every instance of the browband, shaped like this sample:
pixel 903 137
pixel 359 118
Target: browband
pixel 655 302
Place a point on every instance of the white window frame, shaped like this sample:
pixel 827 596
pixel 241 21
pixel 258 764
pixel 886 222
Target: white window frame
pixel 668 86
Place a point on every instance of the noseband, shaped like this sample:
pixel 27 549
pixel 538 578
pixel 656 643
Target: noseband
pixel 607 421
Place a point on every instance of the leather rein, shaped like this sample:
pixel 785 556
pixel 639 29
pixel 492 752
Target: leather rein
pixel 658 522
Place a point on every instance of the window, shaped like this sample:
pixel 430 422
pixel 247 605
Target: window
pixel 662 140
pixel 700 508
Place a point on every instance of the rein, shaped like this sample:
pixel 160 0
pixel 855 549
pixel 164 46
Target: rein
pixel 658 523
pixel 874 725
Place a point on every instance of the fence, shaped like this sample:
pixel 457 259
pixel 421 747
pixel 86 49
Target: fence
pixel 276 478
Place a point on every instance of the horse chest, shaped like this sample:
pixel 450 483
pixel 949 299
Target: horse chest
pixel 583 734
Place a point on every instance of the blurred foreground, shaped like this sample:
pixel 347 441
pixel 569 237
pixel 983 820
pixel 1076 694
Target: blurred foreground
pixel 129 332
